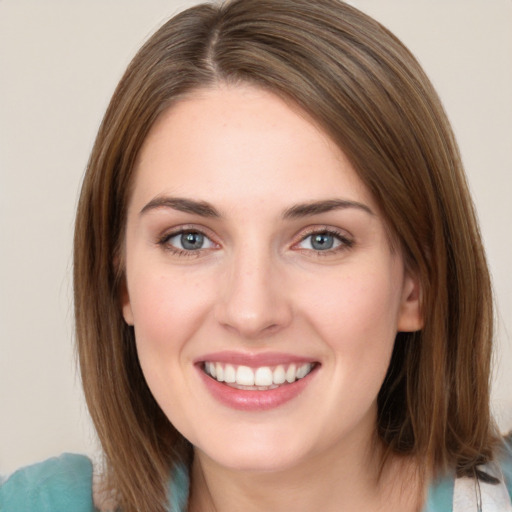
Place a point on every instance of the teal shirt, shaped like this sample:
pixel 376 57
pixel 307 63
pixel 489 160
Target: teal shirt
pixel 61 484
pixel 64 484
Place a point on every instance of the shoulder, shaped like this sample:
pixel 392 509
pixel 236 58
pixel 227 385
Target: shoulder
pixel 178 489
pixel 506 464
pixel 487 496
pixel 450 494
pixel 59 484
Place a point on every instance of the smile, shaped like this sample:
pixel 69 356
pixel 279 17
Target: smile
pixel 256 383
pixel 261 378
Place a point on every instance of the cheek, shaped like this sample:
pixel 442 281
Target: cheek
pixel 359 303
pixel 357 319
pixel 167 310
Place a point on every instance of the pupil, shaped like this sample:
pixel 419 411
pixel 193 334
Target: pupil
pixel 322 241
pixel 192 241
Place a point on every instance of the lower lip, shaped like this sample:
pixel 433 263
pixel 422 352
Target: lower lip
pixel 252 400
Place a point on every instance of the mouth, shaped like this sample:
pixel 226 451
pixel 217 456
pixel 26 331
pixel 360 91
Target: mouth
pixel 261 378
pixel 257 382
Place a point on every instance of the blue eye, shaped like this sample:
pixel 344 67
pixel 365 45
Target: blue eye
pixel 324 241
pixel 188 241
pixel 192 241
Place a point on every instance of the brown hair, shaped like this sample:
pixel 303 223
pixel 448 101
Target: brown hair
pixel 371 96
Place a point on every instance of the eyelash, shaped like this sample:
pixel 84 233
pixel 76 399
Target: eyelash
pixel 345 243
pixel 163 241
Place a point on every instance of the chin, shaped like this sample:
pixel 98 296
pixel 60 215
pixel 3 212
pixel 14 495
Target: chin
pixel 258 463
pixel 256 457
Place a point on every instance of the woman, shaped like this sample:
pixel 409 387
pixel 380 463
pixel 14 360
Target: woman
pixel 282 301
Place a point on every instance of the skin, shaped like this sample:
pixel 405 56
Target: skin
pixel 258 285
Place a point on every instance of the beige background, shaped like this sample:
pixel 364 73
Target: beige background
pixel 59 64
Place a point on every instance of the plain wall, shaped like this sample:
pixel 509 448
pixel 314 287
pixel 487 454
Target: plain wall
pixel 59 64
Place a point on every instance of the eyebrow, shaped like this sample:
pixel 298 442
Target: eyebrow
pixel 316 207
pixel 201 208
pixel 204 209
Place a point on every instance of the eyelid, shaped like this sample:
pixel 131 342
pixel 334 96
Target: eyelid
pixel 346 239
pixel 163 238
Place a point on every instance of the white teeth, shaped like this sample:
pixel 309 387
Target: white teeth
pixel 263 376
pixel 290 373
pixel 259 378
pixel 279 375
pixel 229 374
pixel 244 376
pixel 303 370
pixel 219 370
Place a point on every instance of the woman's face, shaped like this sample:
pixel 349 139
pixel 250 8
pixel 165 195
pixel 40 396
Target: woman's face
pixel 255 255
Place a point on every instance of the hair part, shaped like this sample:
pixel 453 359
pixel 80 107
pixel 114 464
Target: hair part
pixel 369 94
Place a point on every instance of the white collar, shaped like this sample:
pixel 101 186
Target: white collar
pixel 471 494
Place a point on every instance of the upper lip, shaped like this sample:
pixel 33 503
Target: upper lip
pixel 253 360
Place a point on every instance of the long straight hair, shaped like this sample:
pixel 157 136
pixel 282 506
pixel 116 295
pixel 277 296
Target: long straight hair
pixel 369 94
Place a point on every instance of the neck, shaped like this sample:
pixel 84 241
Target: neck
pixel 350 481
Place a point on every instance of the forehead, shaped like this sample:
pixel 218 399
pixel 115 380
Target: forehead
pixel 240 143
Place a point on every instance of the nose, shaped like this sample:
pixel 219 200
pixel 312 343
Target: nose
pixel 254 302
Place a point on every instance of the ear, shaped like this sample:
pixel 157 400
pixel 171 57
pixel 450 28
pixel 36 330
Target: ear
pixel 410 317
pixel 126 306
